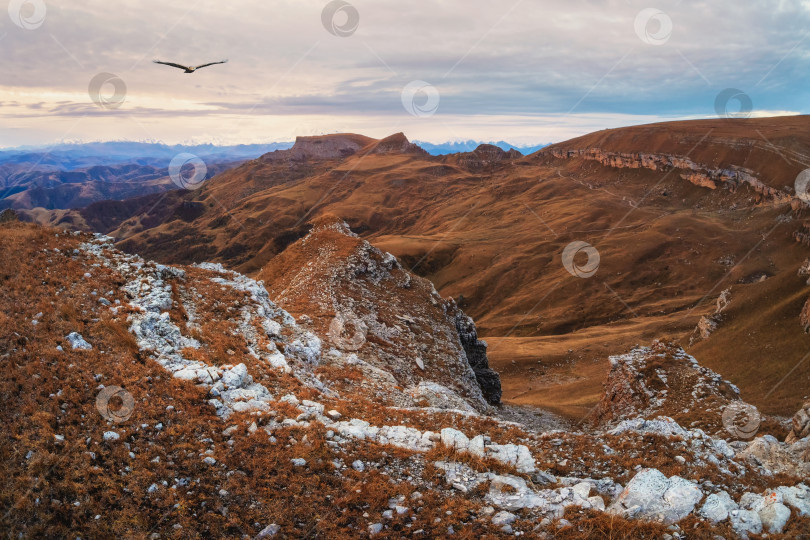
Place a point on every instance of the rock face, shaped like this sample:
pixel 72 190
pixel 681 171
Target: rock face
pixel 801 424
pixel 382 320
pixel 476 351
pixel 664 380
pixel 486 156
pixel 336 146
pixel 700 175
pixel 343 145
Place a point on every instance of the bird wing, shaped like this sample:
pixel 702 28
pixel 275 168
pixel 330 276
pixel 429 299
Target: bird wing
pixel 170 64
pixel 211 64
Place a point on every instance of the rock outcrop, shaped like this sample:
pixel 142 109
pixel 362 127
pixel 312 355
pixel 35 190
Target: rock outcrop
pixel 334 146
pixel 343 145
pixel 476 352
pixel 381 319
pixel 730 178
pixel 709 323
pixel 486 156
pixel 394 144
pixel 800 424
pixel 664 380
pixel 8 215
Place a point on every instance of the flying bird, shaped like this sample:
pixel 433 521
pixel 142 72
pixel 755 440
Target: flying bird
pixel 188 69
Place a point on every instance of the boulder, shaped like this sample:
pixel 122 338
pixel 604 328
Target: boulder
pixel 798 497
pixel 717 507
pixel 652 496
pixel 237 377
pixel 77 341
pixel 772 513
pixel 503 518
pixel 745 521
pixel 453 438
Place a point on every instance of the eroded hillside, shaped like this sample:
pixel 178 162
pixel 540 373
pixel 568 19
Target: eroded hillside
pixel 678 213
pixel 150 401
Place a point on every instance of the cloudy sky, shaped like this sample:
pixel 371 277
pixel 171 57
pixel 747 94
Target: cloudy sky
pixel 525 71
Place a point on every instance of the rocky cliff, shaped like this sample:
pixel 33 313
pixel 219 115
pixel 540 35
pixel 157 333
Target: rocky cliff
pixel 382 319
pixel 731 177
pixel 343 145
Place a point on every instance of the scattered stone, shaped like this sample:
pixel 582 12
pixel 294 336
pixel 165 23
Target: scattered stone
pixel 503 518
pixel 268 532
pixel 77 341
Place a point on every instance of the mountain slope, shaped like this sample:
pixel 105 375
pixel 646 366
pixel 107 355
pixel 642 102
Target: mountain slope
pixel 489 228
pixel 213 410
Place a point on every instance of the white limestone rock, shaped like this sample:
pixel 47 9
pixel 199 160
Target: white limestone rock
pixel 797 497
pixel 77 342
pixel 717 507
pixel 652 496
pixel 453 438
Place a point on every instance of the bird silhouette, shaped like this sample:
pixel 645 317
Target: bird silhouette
pixel 188 69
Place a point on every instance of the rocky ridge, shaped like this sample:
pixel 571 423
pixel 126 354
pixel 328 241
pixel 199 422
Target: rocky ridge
pixel 425 343
pixel 649 495
pixel 730 178
pixel 664 380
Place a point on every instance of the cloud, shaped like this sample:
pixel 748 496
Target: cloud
pixel 489 61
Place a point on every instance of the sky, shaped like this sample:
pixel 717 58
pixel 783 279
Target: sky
pixel 524 71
